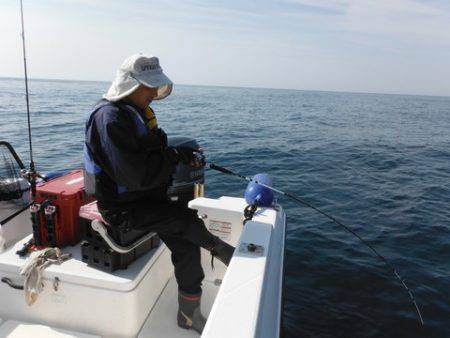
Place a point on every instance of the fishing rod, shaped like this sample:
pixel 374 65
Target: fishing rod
pixel 307 204
pixel 31 173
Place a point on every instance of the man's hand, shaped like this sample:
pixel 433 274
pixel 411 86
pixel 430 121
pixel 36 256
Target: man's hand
pixel 191 156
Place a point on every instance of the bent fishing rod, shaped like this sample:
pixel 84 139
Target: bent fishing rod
pixel 334 220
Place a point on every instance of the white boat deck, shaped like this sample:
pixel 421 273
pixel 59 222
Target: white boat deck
pixel 15 329
pixel 161 321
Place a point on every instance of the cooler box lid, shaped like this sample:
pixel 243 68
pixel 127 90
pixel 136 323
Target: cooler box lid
pixel 75 271
pixel 67 185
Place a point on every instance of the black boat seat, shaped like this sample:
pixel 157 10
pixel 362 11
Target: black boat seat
pixel 90 213
pixel 99 226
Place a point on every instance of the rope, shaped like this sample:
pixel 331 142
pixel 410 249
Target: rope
pixel 33 268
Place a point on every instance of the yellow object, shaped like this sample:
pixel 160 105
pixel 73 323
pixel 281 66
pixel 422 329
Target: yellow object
pixel 151 117
pixel 199 190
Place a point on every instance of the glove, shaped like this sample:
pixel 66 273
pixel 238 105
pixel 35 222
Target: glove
pixel 187 155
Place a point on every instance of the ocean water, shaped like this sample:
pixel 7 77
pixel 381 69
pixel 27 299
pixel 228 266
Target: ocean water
pixel 379 163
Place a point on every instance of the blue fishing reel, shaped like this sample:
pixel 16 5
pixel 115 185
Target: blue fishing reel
pixel 258 194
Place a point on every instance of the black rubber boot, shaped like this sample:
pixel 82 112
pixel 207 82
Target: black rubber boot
pixel 189 314
pixel 221 250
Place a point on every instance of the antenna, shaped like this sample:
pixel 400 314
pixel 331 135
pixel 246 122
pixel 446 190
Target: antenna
pixel 31 174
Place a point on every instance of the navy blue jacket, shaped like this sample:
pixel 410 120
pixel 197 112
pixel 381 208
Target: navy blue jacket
pixel 124 159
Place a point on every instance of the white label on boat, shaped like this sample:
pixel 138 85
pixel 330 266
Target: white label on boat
pixel 220 229
pixel 76 180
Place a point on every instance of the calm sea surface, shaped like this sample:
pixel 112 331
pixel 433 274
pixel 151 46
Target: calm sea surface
pixel 380 163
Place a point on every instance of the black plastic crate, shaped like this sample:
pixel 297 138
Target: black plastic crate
pixel 96 252
pixel 122 237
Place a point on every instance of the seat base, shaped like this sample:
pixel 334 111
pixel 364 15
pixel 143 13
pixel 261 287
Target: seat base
pixel 98 253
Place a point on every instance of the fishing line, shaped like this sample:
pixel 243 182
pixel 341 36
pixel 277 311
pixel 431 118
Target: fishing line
pixel 307 204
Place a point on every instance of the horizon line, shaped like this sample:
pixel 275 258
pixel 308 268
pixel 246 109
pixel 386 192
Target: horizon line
pixel 225 86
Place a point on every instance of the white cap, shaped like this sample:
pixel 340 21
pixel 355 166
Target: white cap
pixel 135 70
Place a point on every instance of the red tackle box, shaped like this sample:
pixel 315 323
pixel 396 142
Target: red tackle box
pixel 54 215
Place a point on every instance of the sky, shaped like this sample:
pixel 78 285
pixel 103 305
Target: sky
pixel 382 46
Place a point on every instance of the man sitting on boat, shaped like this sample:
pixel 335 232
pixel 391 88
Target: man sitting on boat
pixel 129 168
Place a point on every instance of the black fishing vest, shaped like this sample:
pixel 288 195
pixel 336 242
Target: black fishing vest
pixel 101 178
